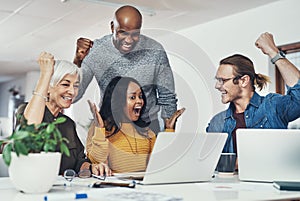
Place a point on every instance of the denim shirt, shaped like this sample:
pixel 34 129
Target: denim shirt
pixel 273 111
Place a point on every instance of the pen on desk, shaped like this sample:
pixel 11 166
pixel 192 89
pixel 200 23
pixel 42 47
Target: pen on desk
pixel 104 184
pixel 74 184
pixel 99 177
pixel 76 196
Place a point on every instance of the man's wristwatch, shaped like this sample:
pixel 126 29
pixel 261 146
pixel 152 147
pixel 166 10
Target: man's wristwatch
pixel 279 55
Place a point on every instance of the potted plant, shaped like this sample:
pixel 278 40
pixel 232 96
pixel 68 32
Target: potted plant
pixel 30 153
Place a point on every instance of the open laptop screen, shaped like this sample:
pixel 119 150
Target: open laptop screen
pixel 181 157
pixel 268 154
pixel 184 157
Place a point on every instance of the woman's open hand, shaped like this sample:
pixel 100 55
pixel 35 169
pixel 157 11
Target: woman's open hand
pixel 170 122
pixel 97 117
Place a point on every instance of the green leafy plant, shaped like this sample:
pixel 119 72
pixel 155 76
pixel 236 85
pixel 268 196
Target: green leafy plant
pixel 34 139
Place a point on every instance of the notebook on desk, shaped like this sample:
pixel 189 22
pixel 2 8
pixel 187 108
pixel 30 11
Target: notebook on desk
pixel 182 157
pixel 268 155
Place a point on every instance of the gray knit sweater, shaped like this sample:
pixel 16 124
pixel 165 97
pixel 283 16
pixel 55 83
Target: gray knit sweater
pixel 147 63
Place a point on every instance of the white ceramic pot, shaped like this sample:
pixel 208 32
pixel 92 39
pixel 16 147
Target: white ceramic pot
pixel 35 173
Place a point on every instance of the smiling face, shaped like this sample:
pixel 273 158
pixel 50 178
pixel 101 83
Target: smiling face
pixel 230 92
pixel 126 28
pixel 125 36
pixel 134 102
pixel 64 92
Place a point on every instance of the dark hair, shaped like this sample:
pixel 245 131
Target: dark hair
pixel 242 65
pixel 114 101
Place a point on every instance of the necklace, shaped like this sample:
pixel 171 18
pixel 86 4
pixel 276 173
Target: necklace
pixel 136 151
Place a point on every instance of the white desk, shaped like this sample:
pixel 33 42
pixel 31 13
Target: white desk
pixel 219 189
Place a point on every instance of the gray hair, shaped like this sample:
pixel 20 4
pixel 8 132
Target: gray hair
pixel 61 69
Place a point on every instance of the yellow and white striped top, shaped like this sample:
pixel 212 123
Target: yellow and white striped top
pixel 126 151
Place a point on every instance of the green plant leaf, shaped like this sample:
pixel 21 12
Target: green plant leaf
pixel 60 120
pixel 29 128
pixel 34 139
pixel 57 135
pixel 50 128
pixel 46 147
pixel 43 124
pixel 65 140
pixel 20 148
pixel 64 149
pixel 50 145
pixel 6 154
pixel 20 134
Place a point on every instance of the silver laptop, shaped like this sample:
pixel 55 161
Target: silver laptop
pixel 183 157
pixel 268 155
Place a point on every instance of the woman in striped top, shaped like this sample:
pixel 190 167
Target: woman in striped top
pixel 118 136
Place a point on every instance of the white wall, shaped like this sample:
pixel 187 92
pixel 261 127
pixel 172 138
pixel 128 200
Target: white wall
pixel 237 34
pixel 31 80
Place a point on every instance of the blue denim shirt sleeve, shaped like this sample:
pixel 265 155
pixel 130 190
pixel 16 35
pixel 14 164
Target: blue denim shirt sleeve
pixel 292 103
pixel 283 108
pixel 216 124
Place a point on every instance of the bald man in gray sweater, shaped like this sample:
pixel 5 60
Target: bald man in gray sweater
pixel 128 53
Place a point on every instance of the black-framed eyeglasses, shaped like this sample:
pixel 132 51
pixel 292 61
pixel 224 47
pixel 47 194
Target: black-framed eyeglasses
pixel 221 81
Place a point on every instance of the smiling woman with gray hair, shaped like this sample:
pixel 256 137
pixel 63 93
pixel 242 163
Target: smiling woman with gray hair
pixel 56 89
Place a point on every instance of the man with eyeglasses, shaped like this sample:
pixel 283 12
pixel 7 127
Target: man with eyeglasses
pixel 236 80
